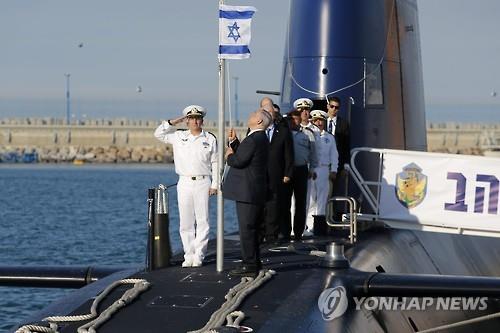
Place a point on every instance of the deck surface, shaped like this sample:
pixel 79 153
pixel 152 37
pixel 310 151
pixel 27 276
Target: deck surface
pixel 183 299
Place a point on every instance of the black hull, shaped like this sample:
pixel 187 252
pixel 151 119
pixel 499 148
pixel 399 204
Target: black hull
pixel 289 301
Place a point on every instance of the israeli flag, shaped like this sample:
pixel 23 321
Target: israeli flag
pixel 234 31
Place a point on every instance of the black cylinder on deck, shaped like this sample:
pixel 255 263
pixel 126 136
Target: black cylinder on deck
pixel 151 211
pixel 421 285
pixel 161 240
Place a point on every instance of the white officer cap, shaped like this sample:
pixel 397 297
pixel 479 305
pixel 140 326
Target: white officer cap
pixel 303 103
pixel 319 114
pixel 194 110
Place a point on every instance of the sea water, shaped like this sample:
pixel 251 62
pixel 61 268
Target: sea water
pixel 78 215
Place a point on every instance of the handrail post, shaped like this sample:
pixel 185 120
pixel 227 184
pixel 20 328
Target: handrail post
pixel 352 216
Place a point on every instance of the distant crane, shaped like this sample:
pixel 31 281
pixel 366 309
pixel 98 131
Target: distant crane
pixel 68 102
pixel 236 114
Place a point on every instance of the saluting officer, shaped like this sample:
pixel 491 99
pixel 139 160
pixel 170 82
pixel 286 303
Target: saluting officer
pixel 195 158
pixel 326 170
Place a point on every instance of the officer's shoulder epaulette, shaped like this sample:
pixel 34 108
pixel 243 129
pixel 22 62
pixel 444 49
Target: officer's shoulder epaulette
pixel 212 134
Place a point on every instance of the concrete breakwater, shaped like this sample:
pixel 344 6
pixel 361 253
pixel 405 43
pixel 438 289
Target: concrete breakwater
pixel 49 140
pixel 463 138
pixel 132 141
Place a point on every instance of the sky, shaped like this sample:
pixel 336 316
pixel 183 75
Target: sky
pixel 169 48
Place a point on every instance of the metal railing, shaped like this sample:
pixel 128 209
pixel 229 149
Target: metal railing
pixel 381 211
pixel 352 219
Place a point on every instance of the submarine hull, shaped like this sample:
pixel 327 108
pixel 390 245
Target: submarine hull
pixel 183 299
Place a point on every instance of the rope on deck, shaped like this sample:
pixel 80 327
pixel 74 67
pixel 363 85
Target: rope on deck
pixel 234 297
pixel 235 318
pixel 128 296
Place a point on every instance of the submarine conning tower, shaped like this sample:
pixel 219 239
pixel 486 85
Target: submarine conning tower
pixel 366 52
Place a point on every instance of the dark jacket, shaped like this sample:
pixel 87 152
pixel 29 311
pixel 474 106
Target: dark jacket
pixel 342 140
pixel 246 180
pixel 281 157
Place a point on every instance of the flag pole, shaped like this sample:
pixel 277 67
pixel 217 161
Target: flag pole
pixel 220 164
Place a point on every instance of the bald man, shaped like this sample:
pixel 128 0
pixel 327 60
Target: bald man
pixel 246 183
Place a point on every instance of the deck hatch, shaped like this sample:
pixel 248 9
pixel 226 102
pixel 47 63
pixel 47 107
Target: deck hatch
pixel 181 301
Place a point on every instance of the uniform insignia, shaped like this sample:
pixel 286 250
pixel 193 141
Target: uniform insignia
pixel 411 186
pixel 205 144
pixel 184 140
pixel 327 140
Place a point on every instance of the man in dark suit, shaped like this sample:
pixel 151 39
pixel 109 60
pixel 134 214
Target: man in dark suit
pixel 246 183
pixel 339 127
pixel 280 171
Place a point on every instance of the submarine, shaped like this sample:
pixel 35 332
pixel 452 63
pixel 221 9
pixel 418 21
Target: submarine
pixel 366 52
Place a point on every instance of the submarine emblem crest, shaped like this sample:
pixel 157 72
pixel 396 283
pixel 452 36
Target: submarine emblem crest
pixel 411 186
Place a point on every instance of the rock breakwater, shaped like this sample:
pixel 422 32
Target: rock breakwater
pixel 75 154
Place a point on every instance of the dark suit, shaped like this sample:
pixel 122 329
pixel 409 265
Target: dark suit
pixel 343 142
pixel 342 139
pixel 246 183
pixel 281 162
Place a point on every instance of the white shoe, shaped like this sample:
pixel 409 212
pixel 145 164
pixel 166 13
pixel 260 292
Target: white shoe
pixel 187 263
pixel 197 263
pixel 307 233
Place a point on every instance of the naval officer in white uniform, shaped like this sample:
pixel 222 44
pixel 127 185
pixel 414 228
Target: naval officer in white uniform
pixel 328 159
pixel 195 159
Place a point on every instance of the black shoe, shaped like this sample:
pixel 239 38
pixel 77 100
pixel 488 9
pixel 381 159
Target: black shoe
pixel 244 270
pixel 271 241
pixel 283 240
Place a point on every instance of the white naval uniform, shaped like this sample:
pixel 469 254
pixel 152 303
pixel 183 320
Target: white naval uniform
pixel 195 159
pixel 328 159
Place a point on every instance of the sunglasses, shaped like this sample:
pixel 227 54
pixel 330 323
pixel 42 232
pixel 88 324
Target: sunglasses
pixel 333 106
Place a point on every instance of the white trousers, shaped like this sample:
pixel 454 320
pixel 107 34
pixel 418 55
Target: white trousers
pixel 317 195
pixel 192 199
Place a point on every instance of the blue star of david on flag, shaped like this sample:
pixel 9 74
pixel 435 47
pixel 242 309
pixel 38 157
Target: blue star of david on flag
pixel 234 31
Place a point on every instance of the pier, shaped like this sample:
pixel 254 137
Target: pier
pixel 132 141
